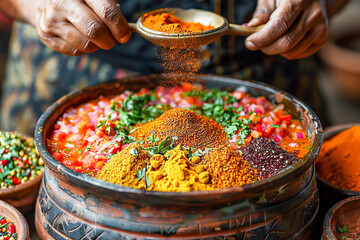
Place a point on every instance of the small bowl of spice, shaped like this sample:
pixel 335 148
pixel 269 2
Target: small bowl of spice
pixel 343 220
pixel 338 164
pixel 13 225
pixel 21 170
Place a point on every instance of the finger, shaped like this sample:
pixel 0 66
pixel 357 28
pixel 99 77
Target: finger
pixel 262 13
pixel 308 52
pixel 90 25
pixel 53 24
pixel 51 40
pixel 318 37
pixel 110 13
pixel 292 37
pixel 280 21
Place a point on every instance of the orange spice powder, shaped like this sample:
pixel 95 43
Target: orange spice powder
pixel 165 22
pixel 339 159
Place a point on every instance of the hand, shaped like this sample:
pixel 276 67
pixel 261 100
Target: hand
pixel 294 28
pixel 73 27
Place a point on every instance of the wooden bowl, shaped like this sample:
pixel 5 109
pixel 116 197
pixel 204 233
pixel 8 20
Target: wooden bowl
pixel 330 193
pixel 21 226
pixel 22 196
pixel 346 212
pixel 72 205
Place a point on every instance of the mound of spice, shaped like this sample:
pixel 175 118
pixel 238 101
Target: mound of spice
pixel 188 128
pixel 173 171
pixel 177 173
pixel 228 169
pixel 168 23
pixel 19 159
pixel 267 157
pixel 124 166
pixel 339 159
pixel 7 229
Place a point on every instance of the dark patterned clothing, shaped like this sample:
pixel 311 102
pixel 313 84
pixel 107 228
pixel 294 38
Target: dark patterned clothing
pixel 37 76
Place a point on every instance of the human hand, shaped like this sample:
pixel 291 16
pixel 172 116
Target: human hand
pixel 74 27
pixel 294 28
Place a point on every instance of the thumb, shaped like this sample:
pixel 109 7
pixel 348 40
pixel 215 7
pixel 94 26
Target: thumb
pixel 262 12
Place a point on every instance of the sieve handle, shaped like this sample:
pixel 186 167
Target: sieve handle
pixel 133 27
pixel 240 30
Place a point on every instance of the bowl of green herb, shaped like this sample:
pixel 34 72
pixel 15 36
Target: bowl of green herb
pixel 21 170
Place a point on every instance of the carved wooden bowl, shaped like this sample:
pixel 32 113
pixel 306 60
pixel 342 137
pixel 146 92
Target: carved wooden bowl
pixel 76 206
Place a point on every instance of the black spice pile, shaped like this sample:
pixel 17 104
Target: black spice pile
pixel 267 157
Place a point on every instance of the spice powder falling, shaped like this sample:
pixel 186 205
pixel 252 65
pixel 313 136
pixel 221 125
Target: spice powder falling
pixel 183 60
pixel 339 159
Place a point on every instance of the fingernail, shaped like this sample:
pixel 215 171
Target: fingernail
pixel 250 45
pixel 245 24
pixel 76 52
pixel 253 22
pixel 125 39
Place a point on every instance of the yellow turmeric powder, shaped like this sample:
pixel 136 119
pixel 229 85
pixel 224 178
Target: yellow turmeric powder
pixel 123 167
pixel 178 174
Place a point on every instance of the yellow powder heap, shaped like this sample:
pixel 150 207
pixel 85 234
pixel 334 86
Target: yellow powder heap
pixel 178 173
pixel 123 167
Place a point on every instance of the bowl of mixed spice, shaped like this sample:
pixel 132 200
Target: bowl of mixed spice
pixel 21 170
pixel 12 224
pixel 132 158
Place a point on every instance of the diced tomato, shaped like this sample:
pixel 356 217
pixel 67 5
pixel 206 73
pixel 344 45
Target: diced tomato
pixel 258 128
pixel 11 228
pixel 256 134
pixel 100 164
pixel 191 100
pixel 285 117
pixel 187 87
pixel 248 139
pixel 143 91
pixel 99 133
pixel 59 135
pixel 58 156
pixel 3 221
pixel 16 180
pixel 21 164
pixel 78 169
pixel 4 162
pixel 238 95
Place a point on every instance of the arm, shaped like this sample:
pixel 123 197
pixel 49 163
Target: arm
pixel 294 28
pixel 72 27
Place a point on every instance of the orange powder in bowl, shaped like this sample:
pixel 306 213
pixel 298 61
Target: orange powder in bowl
pixel 165 22
pixel 339 159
